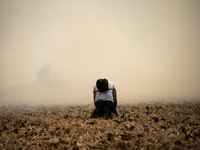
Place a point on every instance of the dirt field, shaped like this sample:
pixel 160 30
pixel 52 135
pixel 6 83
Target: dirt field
pixel 142 126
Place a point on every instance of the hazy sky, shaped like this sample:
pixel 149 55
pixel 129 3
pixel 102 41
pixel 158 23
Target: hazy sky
pixel 58 49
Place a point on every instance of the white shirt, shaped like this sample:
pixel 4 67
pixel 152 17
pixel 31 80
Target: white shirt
pixel 107 95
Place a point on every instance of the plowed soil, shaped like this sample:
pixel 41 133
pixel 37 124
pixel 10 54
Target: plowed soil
pixel 141 126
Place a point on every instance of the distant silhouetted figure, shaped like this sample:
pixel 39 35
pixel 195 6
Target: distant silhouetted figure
pixel 105 99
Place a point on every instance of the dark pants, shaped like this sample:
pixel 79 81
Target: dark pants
pixel 102 104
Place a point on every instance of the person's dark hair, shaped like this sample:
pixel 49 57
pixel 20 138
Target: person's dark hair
pixel 102 85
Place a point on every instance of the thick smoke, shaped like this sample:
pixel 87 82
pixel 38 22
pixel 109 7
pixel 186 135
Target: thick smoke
pixel 53 52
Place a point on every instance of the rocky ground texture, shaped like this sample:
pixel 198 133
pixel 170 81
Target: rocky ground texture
pixel 144 126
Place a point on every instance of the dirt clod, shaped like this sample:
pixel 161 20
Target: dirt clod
pixel 144 126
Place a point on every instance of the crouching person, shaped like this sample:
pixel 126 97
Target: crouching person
pixel 105 99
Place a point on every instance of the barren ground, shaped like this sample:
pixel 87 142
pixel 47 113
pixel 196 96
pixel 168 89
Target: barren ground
pixel 143 126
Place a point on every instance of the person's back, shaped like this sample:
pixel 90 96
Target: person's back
pixel 106 101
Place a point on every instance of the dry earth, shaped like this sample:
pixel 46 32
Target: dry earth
pixel 142 126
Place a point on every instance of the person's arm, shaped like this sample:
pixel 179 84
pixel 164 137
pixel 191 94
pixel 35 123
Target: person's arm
pixel 94 95
pixel 115 97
